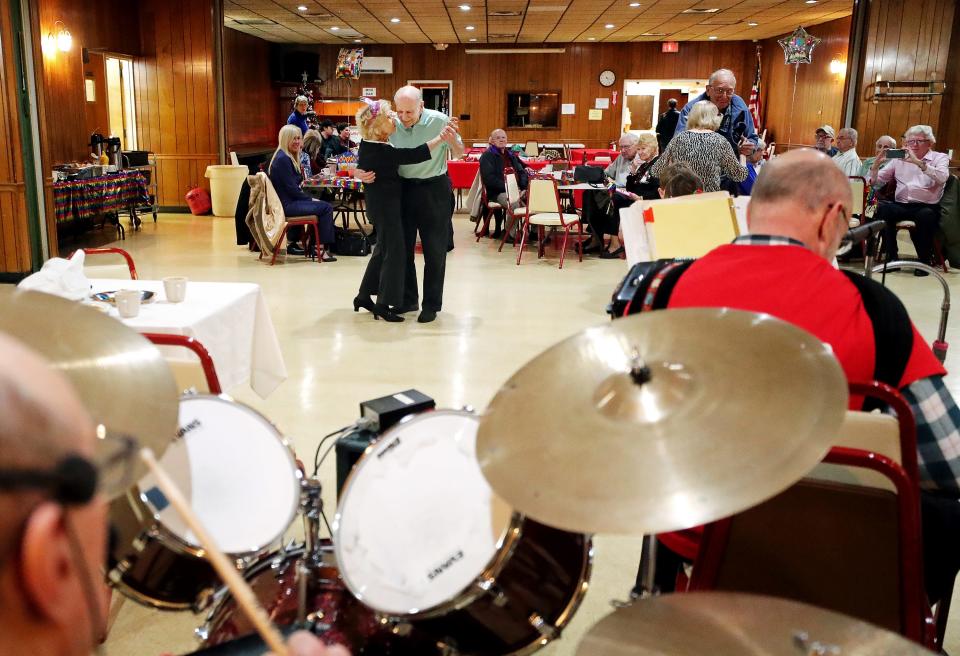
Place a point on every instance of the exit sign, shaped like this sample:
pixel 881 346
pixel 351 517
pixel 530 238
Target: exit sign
pixel 670 46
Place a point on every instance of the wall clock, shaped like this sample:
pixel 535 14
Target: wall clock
pixel 607 78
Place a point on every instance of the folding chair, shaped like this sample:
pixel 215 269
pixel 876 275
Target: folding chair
pixel 859 189
pixel 117 251
pixel 531 149
pixel 206 362
pixel 851 543
pixel 513 212
pixel 544 210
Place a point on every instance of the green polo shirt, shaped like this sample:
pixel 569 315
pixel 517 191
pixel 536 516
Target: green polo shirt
pixel 430 125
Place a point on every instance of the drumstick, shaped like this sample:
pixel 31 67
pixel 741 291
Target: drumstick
pixel 240 589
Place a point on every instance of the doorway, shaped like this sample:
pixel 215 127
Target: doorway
pixel 121 110
pixel 645 100
pixel 437 94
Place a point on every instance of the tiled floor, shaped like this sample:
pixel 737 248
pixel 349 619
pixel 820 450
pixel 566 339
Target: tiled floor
pixel 496 316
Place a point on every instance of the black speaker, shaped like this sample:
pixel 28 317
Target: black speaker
pixel 349 448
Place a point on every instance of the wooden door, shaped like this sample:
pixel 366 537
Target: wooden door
pixel 667 94
pixel 641 112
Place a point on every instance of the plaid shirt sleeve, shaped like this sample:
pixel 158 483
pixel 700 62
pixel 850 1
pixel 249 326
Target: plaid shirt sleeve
pixel 938 433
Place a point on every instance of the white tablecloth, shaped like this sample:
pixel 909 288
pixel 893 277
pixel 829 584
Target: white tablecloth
pixel 230 319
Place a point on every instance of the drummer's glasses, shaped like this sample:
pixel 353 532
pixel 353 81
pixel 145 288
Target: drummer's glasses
pixel 75 480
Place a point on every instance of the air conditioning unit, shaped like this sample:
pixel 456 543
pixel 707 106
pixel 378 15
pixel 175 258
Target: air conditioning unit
pixel 377 65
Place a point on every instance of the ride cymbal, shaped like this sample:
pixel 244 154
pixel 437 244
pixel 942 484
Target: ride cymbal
pixel 734 624
pixel 662 421
pixel 122 378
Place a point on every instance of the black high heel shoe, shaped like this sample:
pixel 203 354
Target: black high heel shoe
pixel 384 312
pixel 364 302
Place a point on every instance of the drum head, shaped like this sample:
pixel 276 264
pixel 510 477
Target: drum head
pixel 235 470
pixel 417 522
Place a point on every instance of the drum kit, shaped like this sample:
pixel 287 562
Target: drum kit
pixel 459 533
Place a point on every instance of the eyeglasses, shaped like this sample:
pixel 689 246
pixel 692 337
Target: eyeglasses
pixel 916 142
pixel 76 479
pixel 722 92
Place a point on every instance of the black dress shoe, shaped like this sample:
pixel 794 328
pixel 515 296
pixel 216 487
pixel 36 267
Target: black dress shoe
pixel 427 316
pixel 364 302
pixel 294 249
pixel 612 255
pixel 385 313
pixel 403 309
pixel 920 273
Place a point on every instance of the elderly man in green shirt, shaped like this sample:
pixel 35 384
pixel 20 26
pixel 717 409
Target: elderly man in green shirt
pixel 427 202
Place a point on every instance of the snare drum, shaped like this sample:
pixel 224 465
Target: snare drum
pixel 339 617
pixel 421 538
pixel 241 479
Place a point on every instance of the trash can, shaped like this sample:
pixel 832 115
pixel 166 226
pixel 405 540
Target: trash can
pixel 225 183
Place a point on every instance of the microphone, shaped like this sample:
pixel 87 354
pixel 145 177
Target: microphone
pixel 863 232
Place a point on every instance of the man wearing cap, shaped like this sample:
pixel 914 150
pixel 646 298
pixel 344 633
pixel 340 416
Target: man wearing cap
pixel 825 136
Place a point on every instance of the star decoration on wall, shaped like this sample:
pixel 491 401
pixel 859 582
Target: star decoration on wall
pixel 798 47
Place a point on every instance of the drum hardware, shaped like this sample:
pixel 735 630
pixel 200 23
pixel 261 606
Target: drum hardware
pixel 814 648
pixel 546 629
pixel 670 432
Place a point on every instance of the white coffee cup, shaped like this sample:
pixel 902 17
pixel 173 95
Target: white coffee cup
pixel 128 303
pixel 175 288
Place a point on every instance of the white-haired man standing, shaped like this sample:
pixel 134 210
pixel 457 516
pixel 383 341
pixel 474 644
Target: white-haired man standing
pixel 846 157
pixel 921 176
pixel 736 123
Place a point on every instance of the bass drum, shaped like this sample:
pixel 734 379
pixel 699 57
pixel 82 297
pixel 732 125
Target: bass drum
pixel 339 617
pixel 240 477
pixel 421 538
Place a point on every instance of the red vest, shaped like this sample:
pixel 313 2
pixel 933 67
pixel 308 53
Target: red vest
pixel 794 284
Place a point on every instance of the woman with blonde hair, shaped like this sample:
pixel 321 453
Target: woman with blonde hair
pixel 310 149
pixel 703 149
pixel 285 174
pixel 384 275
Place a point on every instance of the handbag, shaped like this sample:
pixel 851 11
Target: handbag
pixel 348 242
pixel 589 174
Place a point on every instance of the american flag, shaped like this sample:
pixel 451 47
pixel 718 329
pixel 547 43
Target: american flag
pixel 756 109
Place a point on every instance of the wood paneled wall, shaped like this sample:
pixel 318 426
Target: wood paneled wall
pixel 480 82
pixel 15 257
pixel 798 98
pixel 176 93
pixel 908 40
pixel 96 112
pixel 949 129
pixel 249 97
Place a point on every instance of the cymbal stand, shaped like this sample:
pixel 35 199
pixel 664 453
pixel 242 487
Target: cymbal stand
pixel 646 585
pixel 311 505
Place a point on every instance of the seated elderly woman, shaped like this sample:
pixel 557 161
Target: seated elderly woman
pixel 310 161
pixel 706 152
pixel 285 174
pixel 632 174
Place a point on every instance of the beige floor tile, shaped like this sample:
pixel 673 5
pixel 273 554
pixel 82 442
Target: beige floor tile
pixel 496 316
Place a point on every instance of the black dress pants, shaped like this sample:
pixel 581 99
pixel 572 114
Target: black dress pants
pixel 385 270
pixel 427 210
pixel 927 219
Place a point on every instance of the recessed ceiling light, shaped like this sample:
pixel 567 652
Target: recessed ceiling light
pixel 394 20
pixel 334 28
pixel 356 40
pixel 654 34
pixel 591 38
pixel 474 39
pixel 302 8
pixel 609 26
pixel 712 38
pixel 464 7
pixel 470 28
pixel 811 2
pixel 634 4
pixel 752 24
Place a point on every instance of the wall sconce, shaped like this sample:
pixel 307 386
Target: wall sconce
pixel 837 67
pixel 58 38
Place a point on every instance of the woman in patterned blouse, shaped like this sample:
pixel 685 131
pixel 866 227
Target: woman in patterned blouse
pixel 703 150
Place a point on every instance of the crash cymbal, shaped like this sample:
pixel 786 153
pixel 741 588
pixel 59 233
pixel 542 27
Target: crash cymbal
pixel 734 624
pixel 122 378
pixel 662 421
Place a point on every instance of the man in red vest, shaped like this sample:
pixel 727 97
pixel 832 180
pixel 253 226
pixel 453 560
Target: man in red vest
pixel 798 214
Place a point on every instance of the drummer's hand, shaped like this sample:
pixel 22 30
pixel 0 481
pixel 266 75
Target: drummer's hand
pixel 364 176
pixel 304 643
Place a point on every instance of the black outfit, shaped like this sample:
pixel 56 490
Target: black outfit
pixel 332 147
pixel 286 182
pixel 666 126
pixel 602 209
pixel 927 219
pixel 383 277
pixel 492 164
pixel 427 208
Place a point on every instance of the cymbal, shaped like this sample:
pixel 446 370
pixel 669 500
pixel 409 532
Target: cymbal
pixel 662 421
pixel 734 624
pixel 122 378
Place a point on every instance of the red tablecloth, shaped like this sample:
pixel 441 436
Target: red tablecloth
pixel 462 173
pixel 579 154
